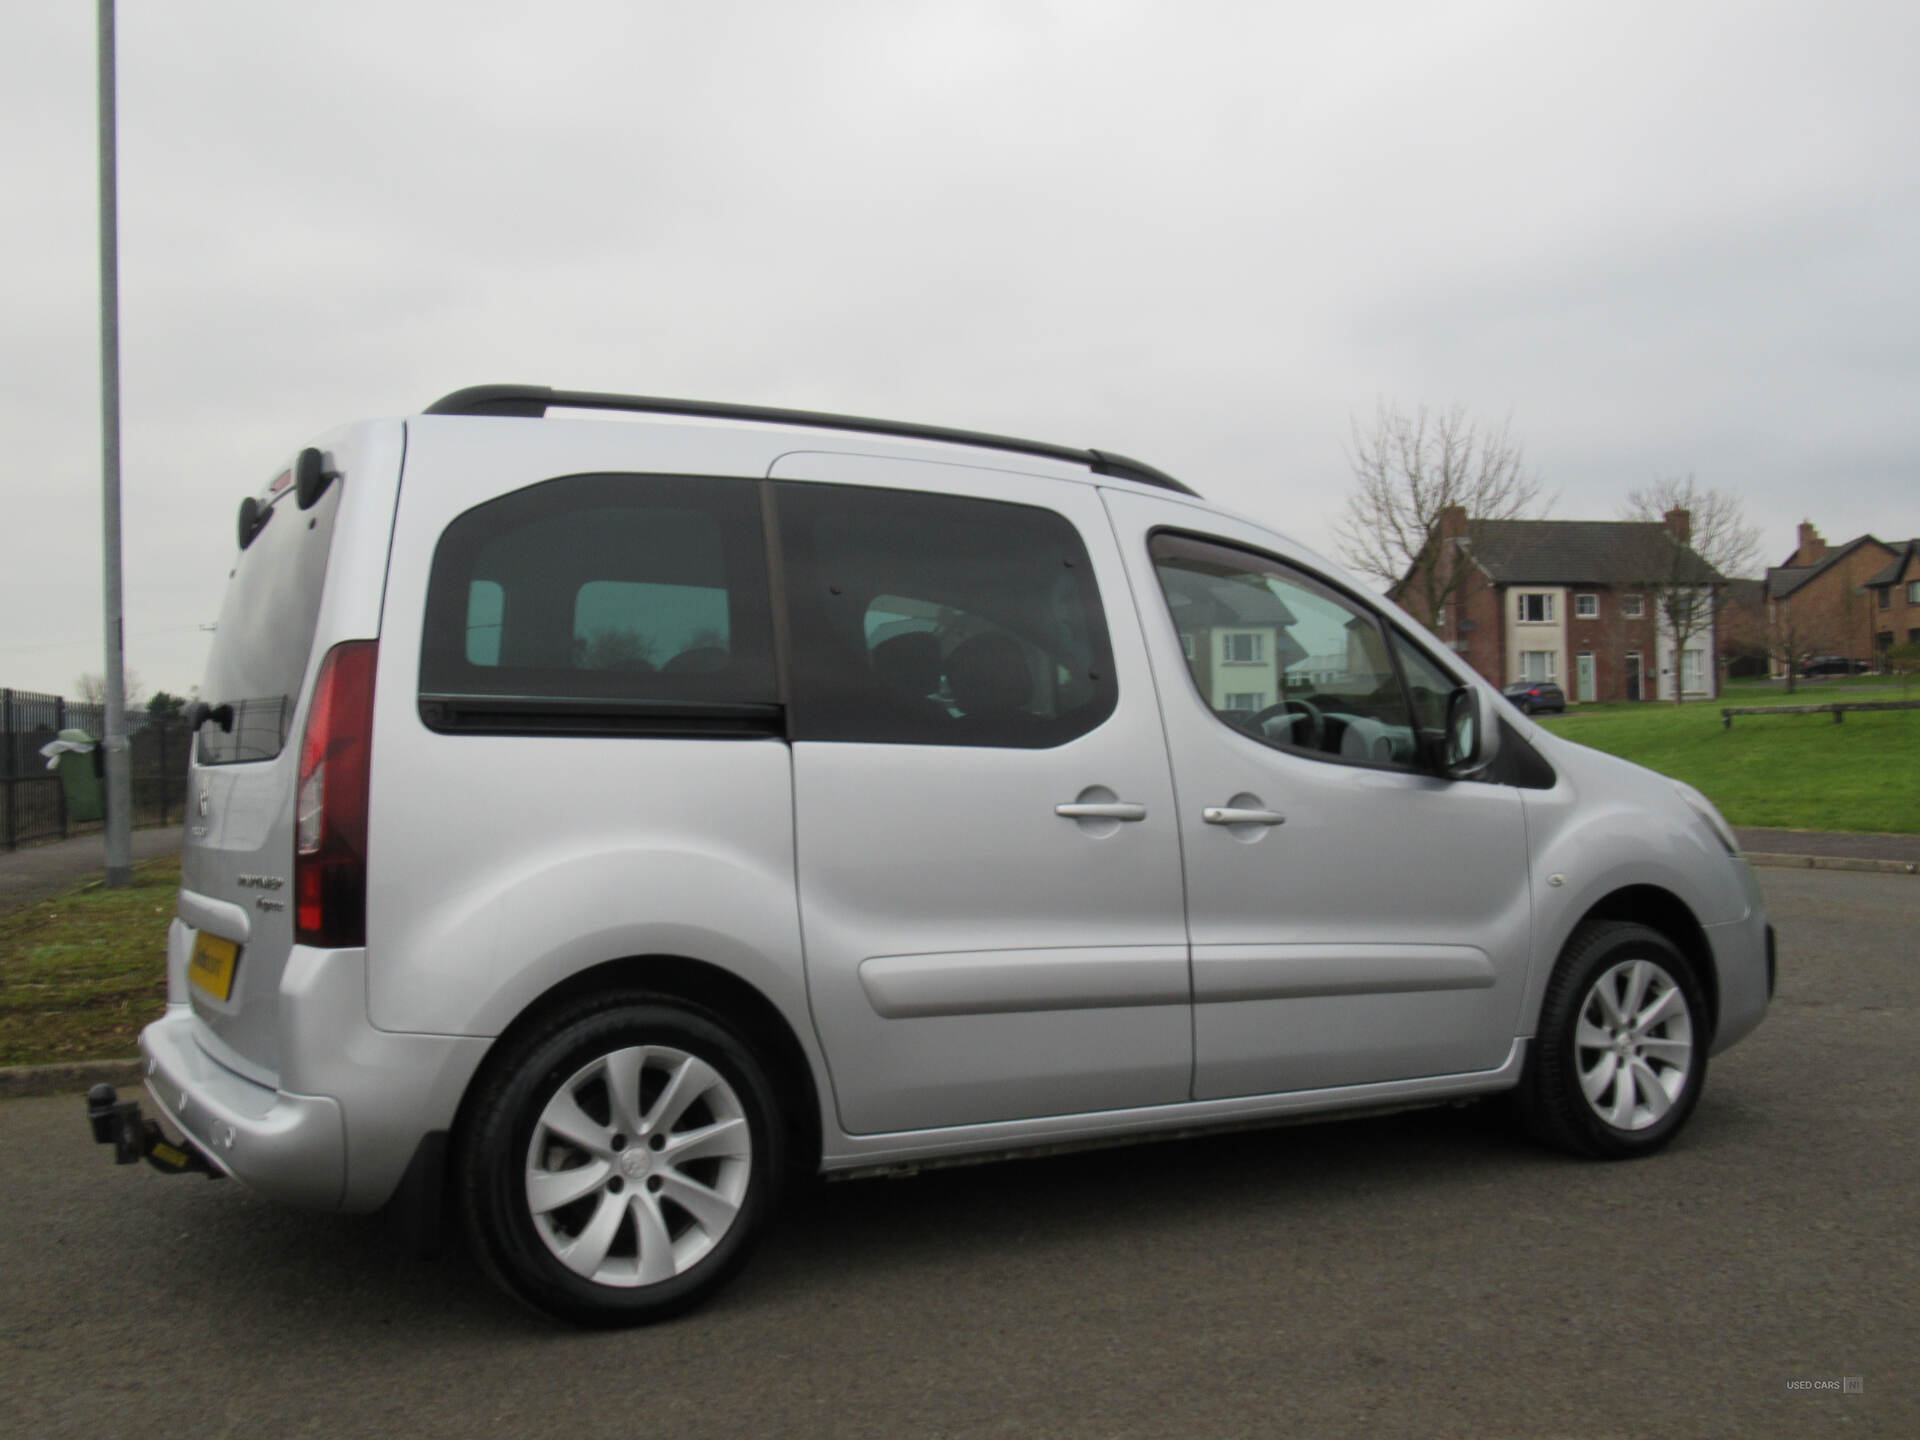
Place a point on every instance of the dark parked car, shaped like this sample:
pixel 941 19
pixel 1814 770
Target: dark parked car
pixel 1535 695
pixel 1832 665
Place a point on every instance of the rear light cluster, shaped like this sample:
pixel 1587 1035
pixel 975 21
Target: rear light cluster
pixel 330 816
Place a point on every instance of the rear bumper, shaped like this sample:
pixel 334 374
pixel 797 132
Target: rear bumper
pixel 291 1148
pixel 350 1105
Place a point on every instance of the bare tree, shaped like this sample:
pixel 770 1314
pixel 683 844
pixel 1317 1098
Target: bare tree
pixel 1708 541
pixel 1793 635
pixel 1408 471
pixel 91 688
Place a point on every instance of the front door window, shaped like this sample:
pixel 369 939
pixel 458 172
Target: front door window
pixel 1291 662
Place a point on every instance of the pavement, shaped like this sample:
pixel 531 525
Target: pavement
pixel 1418 1274
pixel 1830 850
pixel 34 872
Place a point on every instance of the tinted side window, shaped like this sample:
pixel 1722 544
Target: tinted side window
pixel 1283 657
pixel 601 602
pixel 940 620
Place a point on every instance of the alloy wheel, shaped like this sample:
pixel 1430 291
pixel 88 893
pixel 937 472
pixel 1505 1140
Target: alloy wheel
pixel 638 1166
pixel 1633 1045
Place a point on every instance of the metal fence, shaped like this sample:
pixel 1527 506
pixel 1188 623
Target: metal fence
pixel 36 808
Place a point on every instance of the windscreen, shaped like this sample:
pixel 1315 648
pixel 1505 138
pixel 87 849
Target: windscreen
pixel 260 648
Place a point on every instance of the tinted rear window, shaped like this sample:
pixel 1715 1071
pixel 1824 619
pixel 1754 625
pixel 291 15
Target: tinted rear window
pixel 923 619
pixel 261 647
pixel 640 592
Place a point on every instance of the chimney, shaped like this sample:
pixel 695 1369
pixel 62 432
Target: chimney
pixel 1812 548
pixel 1680 525
pixel 1453 522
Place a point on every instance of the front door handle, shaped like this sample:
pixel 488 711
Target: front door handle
pixel 1108 810
pixel 1228 815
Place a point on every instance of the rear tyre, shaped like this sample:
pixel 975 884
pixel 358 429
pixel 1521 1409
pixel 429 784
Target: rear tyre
pixel 1621 1050
pixel 621 1161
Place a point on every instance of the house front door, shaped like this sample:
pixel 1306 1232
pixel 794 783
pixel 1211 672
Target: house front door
pixel 1583 676
pixel 1633 675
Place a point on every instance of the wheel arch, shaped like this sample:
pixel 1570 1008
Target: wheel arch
pixel 719 993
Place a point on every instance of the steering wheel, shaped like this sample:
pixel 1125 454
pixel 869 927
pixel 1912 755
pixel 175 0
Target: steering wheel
pixel 1315 727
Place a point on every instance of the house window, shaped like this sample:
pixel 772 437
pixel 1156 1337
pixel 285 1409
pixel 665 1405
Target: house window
pixel 1886 597
pixel 1241 647
pixel 1913 592
pixel 1536 666
pixel 1693 670
pixel 1247 700
pixel 1586 607
pixel 1633 606
pixel 1536 609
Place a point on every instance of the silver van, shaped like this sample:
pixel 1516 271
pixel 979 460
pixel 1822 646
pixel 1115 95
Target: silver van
pixel 605 809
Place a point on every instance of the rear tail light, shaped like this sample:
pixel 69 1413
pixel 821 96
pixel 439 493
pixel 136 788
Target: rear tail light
pixel 330 814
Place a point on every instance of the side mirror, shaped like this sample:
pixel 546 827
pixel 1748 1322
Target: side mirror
pixel 1473 735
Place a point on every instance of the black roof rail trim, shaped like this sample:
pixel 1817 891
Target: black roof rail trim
pixel 533 401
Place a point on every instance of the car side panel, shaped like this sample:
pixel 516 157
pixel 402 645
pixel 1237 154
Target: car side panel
pixel 499 865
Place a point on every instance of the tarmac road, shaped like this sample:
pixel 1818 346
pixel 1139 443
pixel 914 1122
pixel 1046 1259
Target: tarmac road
pixel 1421 1274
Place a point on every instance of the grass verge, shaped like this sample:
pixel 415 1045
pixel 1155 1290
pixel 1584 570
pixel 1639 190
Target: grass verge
pixel 80 974
pixel 1799 772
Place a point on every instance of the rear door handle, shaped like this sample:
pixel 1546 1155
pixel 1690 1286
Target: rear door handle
pixel 1108 810
pixel 1227 815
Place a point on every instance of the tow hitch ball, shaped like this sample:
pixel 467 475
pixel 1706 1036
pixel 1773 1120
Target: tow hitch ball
pixel 117 1122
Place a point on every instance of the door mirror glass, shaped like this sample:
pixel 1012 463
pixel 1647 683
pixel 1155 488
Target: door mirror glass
pixel 1471 740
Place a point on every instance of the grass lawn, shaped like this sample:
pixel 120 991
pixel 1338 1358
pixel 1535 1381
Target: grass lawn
pixel 82 973
pixel 1800 772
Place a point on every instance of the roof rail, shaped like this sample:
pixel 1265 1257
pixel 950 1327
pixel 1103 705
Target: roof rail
pixel 533 401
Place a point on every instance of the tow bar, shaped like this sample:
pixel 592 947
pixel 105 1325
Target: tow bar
pixel 117 1122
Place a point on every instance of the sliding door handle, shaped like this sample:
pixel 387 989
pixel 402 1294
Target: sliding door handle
pixel 1228 815
pixel 1098 810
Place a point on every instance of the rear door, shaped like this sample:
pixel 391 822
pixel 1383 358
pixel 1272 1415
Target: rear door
pixel 1354 918
pixel 307 577
pixel 988 861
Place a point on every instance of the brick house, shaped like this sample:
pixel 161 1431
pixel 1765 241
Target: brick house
pixel 1567 601
pixel 1818 602
pixel 1743 629
pixel 1895 612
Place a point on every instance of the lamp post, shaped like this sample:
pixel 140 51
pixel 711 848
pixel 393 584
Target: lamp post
pixel 114 742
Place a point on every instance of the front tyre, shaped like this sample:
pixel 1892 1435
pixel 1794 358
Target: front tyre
pixel 1621 1050
pixel 620 1161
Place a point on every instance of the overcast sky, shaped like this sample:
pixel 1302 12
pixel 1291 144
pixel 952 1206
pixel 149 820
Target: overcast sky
pixel 1660 238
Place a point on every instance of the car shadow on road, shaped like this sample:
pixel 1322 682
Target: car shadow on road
pixel 898 1235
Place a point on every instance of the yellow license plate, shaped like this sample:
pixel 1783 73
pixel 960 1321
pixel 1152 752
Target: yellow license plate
pixel 211 968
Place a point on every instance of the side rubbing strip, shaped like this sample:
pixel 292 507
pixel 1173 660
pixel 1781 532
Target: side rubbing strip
pixel 1296 972
pixel 995 982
